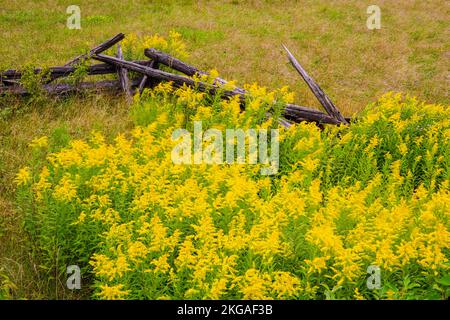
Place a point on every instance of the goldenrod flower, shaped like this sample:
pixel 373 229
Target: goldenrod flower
pixel 41 142
pixel 23 176
pixel 113 292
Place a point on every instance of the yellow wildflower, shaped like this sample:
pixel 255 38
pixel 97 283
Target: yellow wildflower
pixel 113 292
pixel 41 142
pixel 23 176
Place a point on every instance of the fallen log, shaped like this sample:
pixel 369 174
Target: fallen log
pixel 170 61
pixel 324 100
pixel 8 82
pixel 293 110
pixel 98 49
pixel 150 75
pixel 181 66
pixel 59 72
pixel 176 79
pixel 66 88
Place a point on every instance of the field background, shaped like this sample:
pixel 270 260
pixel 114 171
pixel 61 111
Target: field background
pixel 241 39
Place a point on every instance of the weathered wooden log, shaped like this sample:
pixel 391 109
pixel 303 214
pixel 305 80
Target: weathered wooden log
pixel 176 64
pixel 8 82
pixel 179 80
pixel 324 100
pixel 171 62
pixel 59 72
pixel 299 113
pixel 65 88
pixel 151 75
pixel 145 80
pixel 285 123
pixel 98 49
pixel 181 66
pixel 296 112
pixel 123 75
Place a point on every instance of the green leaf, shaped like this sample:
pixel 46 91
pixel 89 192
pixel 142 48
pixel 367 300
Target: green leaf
pixel 445 280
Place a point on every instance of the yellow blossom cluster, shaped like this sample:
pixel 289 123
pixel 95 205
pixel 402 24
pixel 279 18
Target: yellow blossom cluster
pixel 375 193
pixel 134 45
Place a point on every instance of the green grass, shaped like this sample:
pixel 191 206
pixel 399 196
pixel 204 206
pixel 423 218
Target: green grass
pixel 243 41
pixel 240 39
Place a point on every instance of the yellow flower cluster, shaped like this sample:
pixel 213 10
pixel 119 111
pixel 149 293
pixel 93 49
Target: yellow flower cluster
pixel 134 45
pixel 23 176
pixel 41 142
pixel 345 199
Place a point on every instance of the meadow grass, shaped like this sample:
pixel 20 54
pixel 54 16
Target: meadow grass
pixel 241 39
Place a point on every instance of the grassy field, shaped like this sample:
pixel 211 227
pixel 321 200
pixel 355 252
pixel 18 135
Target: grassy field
pixel 241 39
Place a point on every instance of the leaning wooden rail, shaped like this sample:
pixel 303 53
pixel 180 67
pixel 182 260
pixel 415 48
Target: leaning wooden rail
pixel 292 111
pixel 98 49
pixel 147 73
pixel 180 66
pixel 60 72
pixel 324 100
pixel 66 88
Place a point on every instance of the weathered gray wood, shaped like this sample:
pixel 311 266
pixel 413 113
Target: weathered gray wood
pixel 181 66
pixel 98 49
pixel 284 123
pixel 142 84
pixel 299 113
pixel 145 80
pixel 123 74
pixel 178 80
pixel 324 100
pixel 59 72
pixel 170 61
pixel 8 82
pixel 65 88
pixel 294 111
pixel 150 72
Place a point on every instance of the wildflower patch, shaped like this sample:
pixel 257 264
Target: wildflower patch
pixel 190 149
pixel 345 201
